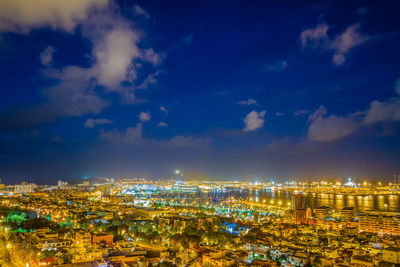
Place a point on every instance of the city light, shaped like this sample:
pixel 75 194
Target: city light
pixel 199 133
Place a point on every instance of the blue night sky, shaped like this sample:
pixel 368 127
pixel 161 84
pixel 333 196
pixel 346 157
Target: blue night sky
pixel 253 90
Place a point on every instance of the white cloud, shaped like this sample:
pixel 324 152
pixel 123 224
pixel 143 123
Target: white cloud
pixel 144 116
pixel 341 44
pixel 320 112
pixel 117 55
pixel 131 136
pixel 162 124
pixel 313 37
pixel 300 112
pixel 334 127
pixel 24 15
pixel 72 95
pixel 91 123
pixel 326 129
pixel 163 109
pixel 383 111
pixel 114 55
pixel 247 102
pixel 339 59
pixel 115 40
pixel 254 120
pixel 331 128
pixel 279 114
pixel 46 57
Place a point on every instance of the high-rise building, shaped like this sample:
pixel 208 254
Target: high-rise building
pixel 347 214
pixel 298 201
pixel 106 189
pixel 302 216
pixel 322 213
pixel 310 202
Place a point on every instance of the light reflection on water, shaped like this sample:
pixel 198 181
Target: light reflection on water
pixel 335 201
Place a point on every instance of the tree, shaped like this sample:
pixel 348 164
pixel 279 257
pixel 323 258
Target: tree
pixel 47 255
pixel 64 258
pixel 38 223
pixel 15 218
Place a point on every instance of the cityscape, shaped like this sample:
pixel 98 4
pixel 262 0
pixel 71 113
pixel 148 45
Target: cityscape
pixel 215 133
pixel 141 222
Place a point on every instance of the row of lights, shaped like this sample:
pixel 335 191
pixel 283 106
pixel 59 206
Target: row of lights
pixel 264 201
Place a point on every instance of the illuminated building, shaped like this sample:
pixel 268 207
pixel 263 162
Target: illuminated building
pixel 348 214
pixel 310 202
pixel 322 213
pixel 380 222
pixel 24 188
pixel 392 255
pixel 105 189
pixel 301 202
pixel 61 183
pixel 298 201
pixel 350 183
pixel 303 216
pixel 83 238
pixel 98 238
pixel 185 188
pixel 55 243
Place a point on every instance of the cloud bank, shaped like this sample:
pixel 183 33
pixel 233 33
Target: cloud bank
pixel 324 128
pixel 24 15
pixel 76 90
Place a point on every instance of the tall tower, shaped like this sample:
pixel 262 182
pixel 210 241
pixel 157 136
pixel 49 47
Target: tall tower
pixel 298 201
pixel 310 202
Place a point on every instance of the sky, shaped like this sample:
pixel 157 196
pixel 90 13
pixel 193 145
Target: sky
pixel 235 90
